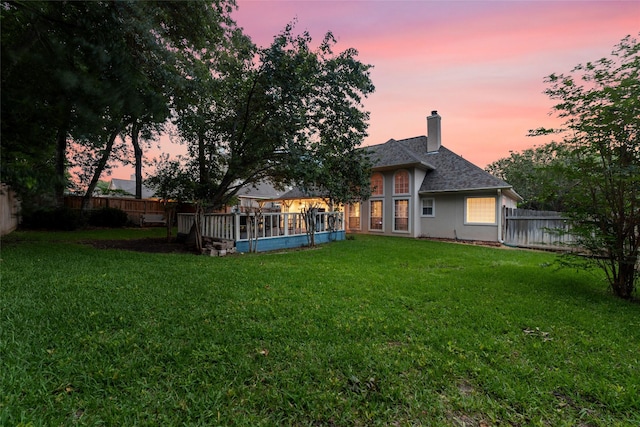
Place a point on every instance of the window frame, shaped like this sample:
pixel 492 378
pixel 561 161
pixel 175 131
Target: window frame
pixel 401 172
pixel 395 217
pixel 359 209
pixel 370 219
pixel 433 207
pixel 381 190
pixel 466 210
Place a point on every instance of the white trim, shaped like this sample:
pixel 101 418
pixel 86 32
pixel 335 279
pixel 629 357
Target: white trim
pixel 433 207
pixel 381 194
pixel 351 205
pixel 408 199
pixel 376 230
pixel 408 182
pixel 495 208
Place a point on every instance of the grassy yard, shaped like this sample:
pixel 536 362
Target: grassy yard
pixel 371 331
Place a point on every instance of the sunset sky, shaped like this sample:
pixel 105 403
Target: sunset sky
pixel 480 64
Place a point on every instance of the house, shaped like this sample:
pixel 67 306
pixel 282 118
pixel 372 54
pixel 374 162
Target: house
pixel 422 189
pixel 296 200
pixel 262 194
pixel 127 188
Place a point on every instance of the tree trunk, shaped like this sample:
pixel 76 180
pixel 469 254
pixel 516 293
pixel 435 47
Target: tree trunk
pixel 137 150
pixel 624 284
pixel 203 170
pixel 170 214
pixel 196 228
pixel 61 162
pixel 99 169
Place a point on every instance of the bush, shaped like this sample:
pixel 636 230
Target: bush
pixel 52 219
pixel 108 217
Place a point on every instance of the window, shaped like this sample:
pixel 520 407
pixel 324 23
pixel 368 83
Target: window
pixel 401 215
pixel 401 182
pixel 377 184
pixel 480 210
pixel 376 215
pixel 428 207
pixel 354 216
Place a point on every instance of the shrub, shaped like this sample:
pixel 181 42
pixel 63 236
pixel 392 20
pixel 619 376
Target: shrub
pixel 52 219
pixel 108 217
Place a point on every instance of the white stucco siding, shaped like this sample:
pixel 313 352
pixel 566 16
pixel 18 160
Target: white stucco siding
pixel 449 219
pixel 418 177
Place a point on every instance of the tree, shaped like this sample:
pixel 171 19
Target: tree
pixel 173 184
pixel 536 174
pixel 267 110
pixel 600 104
pixel 85 71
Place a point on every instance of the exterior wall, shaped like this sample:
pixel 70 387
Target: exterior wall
pixel 388 199
pixel 449 219
pixel 417 204
pixel 449 208
pixel 9 210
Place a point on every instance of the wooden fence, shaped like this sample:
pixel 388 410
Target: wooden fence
pixel 527 228
pixel 133 207
pixel 9 210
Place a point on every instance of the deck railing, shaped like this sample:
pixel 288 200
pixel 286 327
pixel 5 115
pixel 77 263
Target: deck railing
pixel 245 226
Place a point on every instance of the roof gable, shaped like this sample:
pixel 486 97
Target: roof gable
pixel 394 154
pixel 453 173
pixel 446 171
pixel 260 190
pixel 129 186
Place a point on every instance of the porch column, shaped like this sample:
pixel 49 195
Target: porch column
pixel 236 226
pixel 286 224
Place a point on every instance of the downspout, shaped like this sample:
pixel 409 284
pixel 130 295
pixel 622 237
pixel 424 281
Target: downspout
pixel 500 237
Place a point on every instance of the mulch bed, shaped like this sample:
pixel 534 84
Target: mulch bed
pixel 465 242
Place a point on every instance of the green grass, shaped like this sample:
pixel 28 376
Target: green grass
pixel 371 331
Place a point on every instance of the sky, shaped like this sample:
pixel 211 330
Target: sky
pixel 480 64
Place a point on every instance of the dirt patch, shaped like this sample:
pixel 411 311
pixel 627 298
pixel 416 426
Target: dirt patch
pixel 149 245
pixel 465 242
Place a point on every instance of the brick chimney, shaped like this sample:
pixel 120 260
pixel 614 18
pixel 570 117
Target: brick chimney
pixel 433 132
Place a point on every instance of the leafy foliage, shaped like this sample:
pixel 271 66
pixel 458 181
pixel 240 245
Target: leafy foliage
pixel 600 102
pixel 86 72
pixel 536 174
pixel 273 113
pixel 63 218
pixel 108 217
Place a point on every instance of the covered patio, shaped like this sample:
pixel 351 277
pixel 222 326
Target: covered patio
pixel 267 231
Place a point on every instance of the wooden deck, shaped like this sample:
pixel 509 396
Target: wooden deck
pixel 267 231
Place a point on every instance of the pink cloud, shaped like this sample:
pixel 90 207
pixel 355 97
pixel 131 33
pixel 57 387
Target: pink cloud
pixel 481 64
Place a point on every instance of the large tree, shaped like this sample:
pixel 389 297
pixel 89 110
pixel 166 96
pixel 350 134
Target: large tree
pixel 536 174
pixel 267 110
pixel 86 71
pixel 600 104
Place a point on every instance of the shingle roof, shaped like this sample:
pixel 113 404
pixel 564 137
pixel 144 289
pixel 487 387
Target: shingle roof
pixel 260 190
pixel 394 154
pixel 129 186
pixel 299 193
pixel 453 173
pixel 446 171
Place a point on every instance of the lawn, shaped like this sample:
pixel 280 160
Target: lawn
pixel 370 331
